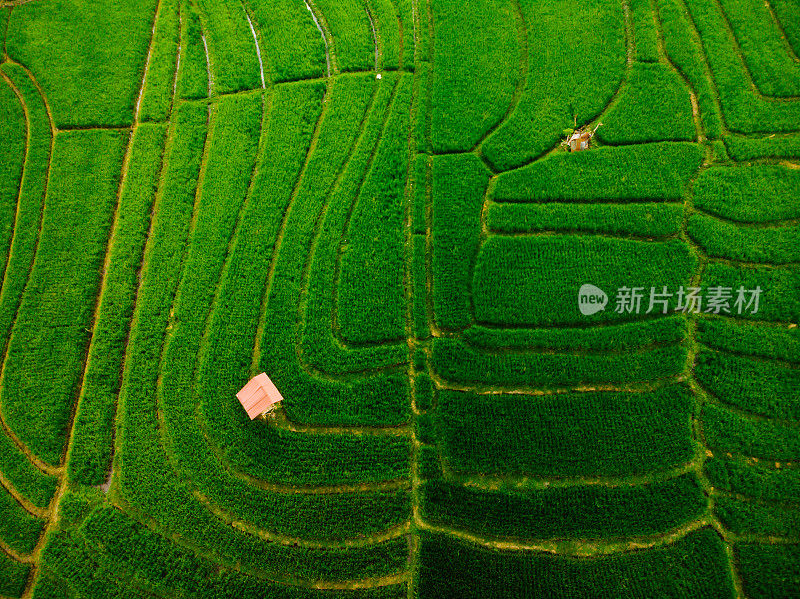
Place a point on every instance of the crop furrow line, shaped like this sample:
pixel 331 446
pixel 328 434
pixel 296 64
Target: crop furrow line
pixel 378 56
pixel 629 49
pixel 765 501
pixel 304 489
pixel 40 464
pixel 662 50
pixel 740 55
pixel 409 284
pixel 574 325
pixel 706 66
pixel 746 414
pixel 171 327
pixel 330 58
pixel 178 53
pixel 110 242
pixel 15 224
pixel 208 61
pixel 400 43
pixel 223 562
pixel 305 275
pixel 5 29
pixel 519 90
pixel 771 224
pixel 63 479
pixel 337 269
pixel 580 233
pixel 781 31
pixel 747 264
pixel 281 421
pixel 429 300
pixel 493 482
pixel 393 532
pixel 156 206
pixel 592 202
pixel 276 247
pixel 16 556
pixel 647 386
pixel 578 548
pixel 754 357
pixel 579 351
pixel 29 507
pixel 255 41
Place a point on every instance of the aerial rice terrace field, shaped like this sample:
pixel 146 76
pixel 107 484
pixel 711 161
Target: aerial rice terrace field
pixel 369 201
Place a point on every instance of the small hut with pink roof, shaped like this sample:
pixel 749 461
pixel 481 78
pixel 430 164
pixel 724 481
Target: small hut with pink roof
pixel 259 396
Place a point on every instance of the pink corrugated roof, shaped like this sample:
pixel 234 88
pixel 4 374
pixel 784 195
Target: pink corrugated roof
pixel 259 395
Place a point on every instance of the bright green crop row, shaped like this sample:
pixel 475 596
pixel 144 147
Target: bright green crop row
pixel 771 67
pixel 745 111
pixel 788 15
pixel 455 361
pixel 743 516
pixel 193 68
pixel 375 398
pixel 779 299
pixel 147 480
pixel 579 434
pixel 422 78
pixel 579 512
pixel 535 281
pixel 30 482
pixel 231 47
pixel 575 64
pixel 726 431
pixel 421 173
pixel 654 105
pixel 754 385
pixel 158 81
pixel 476 68
pixel 721 239
pixel 693 566
pixel 770 342
pixel 759 193
pixel 645 31
pixel 371 296
pixel 748 148
pixel 394 29
pixel 13 576
pixel 623 336
pixel 13 132
pixel 768 571
pixel 420 290
pixel 459 185
pixel 18 529
pixel 646 219
pixel 352 39
pixel 656 171
pixel 221 196
pixel 127 560
pixel 251 447
pixel 760 482
pixel 47 348
pixel 88 58
pixel 291 46
pixel 90 456
pixel 687 54
pixel 30 201
pixel 125 546
pixel 356 126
